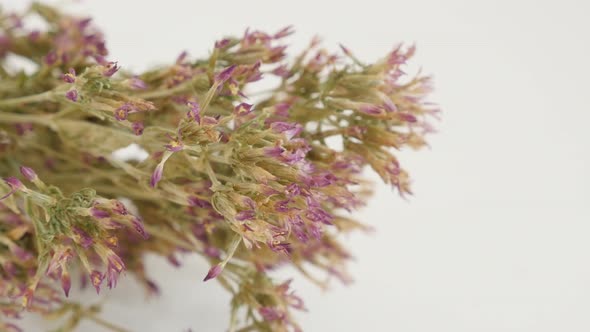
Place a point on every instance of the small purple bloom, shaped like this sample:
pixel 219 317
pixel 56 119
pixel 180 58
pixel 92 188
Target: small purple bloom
pixel 98 213
pixel 292 190
pixel 275 151
pixel 370 109
pixel 282 71
pixel 157 175
pixel 72 95
pixel 50 59
pixel 111 69
pixel 243 109
pixel 137 84
pixel 82 238
pixel 289 129
pixel 194 111
pixel 195 201
pixel 70 76
pixel 222 43
pixel 139 227
pixel 96 279
pixel 14 183
pixel 114 267
pixel 137 128
pixel 270 314
pixel 66 283
pixel 122 112
pixel 284 32
pixel 28 173
pixel 225 74
pixel 407 117
pixel 245 215
pixel 175 145
pixel 213 272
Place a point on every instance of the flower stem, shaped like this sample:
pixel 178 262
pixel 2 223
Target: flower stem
pixel 27 99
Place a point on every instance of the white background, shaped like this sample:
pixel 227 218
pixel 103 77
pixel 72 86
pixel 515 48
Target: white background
pixel 496 237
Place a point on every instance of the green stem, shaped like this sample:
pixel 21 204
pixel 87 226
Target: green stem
pixel 22 118
pixel 47 95
pixel 104 323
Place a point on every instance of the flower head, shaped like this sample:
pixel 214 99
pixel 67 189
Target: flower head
pixel 72 95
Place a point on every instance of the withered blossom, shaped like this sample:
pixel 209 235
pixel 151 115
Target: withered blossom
pixel 251 185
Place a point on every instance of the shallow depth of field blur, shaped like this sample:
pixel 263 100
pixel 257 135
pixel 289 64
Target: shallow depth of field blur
pixel 495 237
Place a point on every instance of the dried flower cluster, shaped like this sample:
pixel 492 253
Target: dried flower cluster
pixel 248 185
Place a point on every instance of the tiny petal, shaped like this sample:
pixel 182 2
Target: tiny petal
pixel 28 173
pixel 222 43
pixel 96 279
pixel 245 215
pixel 157 175
pixel 213 272
pixel 98 213
pixel 66 283
pixel 139 228
pixel 289 129
pixel 194 111
pixel 225 74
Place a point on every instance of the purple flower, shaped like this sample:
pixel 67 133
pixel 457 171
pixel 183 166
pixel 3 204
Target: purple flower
pixel 213 272
pixel 195 201
pixel 245 215
pixel 407 117
pixel 70 76
pixel 371 109
pixel 139 228
pixel 225 74
pixel 82 238
pixel 50 59
pixel 137 127
pixel 243 109
pixel 317 214
pixel 98 213
pixel 137 84
pixel 284 32
pixel 72 95
pixel 194 111
pixel 174 145
pixel 222 43
pixel 292 190
pixel 114 267
pixel 111 69
pixel 271 314
pixel 66 282
pixel 14 185
pixel 96 279
pixel 28 173
pixel 289 129
pixel 119 208
pixel 275 151
pixel 157 175
pixel 282 71
pixel 122 112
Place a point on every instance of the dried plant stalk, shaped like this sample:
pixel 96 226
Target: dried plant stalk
pixel 248 186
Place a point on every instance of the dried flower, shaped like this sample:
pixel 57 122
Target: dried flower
pixel 250 188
